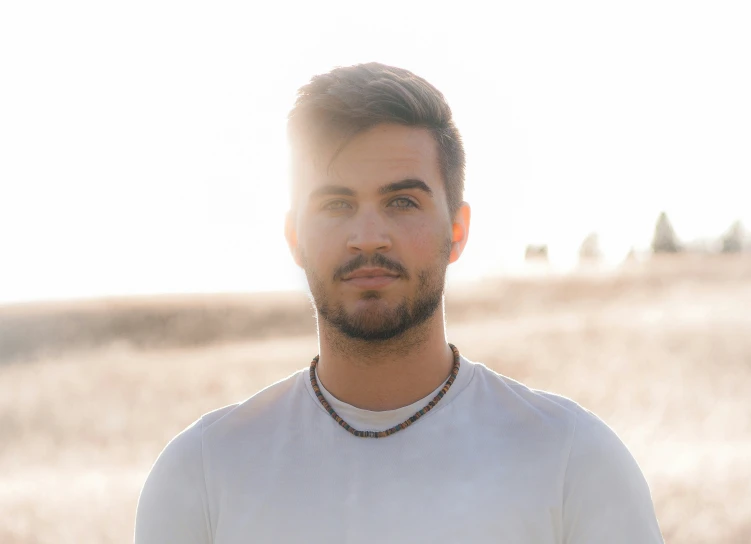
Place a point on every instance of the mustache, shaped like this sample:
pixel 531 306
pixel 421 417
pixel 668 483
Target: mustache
pixel 376 261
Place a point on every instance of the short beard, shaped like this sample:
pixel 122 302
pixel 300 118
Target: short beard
pixel 381 324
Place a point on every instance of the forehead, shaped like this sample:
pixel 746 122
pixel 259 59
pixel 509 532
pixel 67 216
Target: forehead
pixel 383 154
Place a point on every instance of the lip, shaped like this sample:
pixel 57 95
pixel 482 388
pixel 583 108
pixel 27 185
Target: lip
pixel 371 282
pixel 371 278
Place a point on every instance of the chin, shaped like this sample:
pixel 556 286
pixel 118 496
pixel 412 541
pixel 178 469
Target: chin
pixel 375 302
pixel 371 295
pixel 369 309
pixel 371 318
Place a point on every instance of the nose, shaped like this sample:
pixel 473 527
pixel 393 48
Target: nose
pixel 369 234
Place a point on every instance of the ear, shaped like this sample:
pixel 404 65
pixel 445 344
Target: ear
pixel 290 233
pixel 460 231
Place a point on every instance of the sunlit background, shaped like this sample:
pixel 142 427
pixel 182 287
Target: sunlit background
pixel 143 152
pixel 143 145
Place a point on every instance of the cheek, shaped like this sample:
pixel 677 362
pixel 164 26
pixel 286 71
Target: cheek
pixel 321 249
pixel 423 238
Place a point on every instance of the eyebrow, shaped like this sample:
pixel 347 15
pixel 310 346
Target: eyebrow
pixel 406 184
pixel 327 190
pixel 340 190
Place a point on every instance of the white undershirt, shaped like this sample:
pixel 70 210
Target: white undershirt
pixel 367 420
pixel 493 461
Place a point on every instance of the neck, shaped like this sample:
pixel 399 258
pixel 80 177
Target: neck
pixel 388 374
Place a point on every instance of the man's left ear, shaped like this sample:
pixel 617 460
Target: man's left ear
pixel 290 233
pixel 460 231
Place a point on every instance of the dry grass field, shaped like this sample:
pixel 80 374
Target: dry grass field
pixel 90 392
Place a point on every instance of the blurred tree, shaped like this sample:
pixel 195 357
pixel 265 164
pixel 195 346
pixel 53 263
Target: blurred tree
pixel 631 256
pixel 536 253
pixel 734 238
pixel 665 240
pixel 590 248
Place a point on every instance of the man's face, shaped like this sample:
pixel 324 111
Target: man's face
pixel 373 232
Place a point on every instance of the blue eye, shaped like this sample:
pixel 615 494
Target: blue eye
pixel 335 205
pixel 403 202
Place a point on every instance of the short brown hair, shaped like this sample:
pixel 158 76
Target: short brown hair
pixel 338 105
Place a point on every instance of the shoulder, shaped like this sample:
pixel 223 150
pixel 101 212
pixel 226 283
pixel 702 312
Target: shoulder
pixel 258 412
pixel 174 504
pixel 189 445
pixel 526 404
pixel 597 456
pixel 587 433
pixel 580 436
pixel 605 495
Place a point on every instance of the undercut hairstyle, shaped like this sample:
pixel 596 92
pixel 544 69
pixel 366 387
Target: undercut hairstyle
pixel 336 106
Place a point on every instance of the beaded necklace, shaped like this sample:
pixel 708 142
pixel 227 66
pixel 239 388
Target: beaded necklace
pixel 395 428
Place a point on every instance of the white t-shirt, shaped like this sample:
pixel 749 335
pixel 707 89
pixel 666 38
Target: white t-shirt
pixel 493 461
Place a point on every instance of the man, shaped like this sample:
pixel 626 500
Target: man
pixel 391 435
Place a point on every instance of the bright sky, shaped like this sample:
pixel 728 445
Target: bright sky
pixel 143 150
